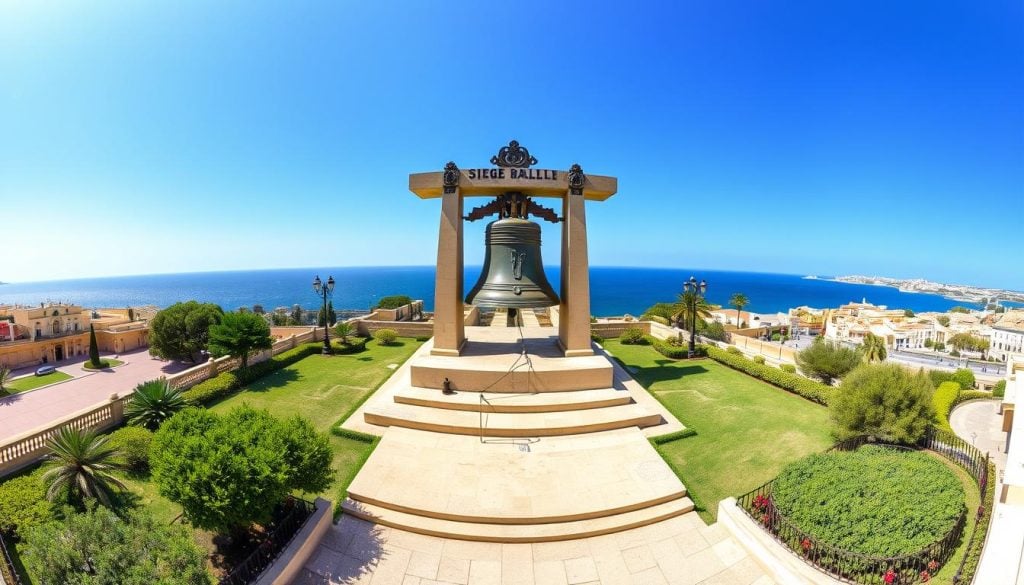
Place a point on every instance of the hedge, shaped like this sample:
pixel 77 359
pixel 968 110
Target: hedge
pixel 943 399
pixel 807 388
pixel 999 390
pixel 23 504
pixel 133 444
pixel 966 395
pixel 676 352
pixel 669 437
pixel 973 555
pixel 223 385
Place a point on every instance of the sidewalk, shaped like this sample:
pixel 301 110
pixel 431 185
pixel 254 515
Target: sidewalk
pixel 28 411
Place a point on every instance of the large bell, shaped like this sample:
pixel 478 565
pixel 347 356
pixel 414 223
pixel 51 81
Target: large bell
pixel 513 274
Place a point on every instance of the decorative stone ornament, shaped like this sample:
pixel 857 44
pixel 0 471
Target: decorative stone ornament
pixel 451 177
pixel 513 155
pixel 576 179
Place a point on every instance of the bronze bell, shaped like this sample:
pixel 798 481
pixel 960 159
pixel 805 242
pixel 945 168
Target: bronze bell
pixel 513 274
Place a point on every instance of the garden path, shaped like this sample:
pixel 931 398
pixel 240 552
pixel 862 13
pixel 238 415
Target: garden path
pixel 980 423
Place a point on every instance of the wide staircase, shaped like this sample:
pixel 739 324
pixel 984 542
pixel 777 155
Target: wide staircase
pixel 513 466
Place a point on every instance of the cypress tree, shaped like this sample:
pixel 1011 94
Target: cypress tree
pixel 94 348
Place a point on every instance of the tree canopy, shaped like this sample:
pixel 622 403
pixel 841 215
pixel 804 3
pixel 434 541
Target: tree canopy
pixel 966 341
pixel 238 335
pixel 181 331
pixel 873 348
pixel 827 361
pixel 883 400
pixel 99 548
pixel 393 302
pixel 229 471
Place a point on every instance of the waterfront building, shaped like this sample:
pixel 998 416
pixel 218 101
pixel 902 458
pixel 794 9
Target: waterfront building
pixel 852 322
pixel 54 332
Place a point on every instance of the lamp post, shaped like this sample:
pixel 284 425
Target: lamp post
pixel 324 290
pixel 698 289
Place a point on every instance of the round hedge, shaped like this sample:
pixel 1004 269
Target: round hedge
pixel 875 501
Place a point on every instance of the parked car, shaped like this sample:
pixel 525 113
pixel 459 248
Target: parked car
pixel 44 370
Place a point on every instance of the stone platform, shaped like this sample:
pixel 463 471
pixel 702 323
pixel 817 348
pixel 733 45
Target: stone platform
pixel 493 360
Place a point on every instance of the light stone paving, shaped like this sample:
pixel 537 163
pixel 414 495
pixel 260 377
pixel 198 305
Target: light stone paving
pixel 678 551
pixel 979 423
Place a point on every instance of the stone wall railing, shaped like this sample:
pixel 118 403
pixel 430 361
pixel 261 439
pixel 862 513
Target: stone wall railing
pixel 23 450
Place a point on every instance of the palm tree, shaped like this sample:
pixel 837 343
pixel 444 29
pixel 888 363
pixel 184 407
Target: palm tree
pixel 81 461
pixel 873 348
pixel 343 329
pixel 5 377
pixel 682 309
pixel 739 300
pixel 152 403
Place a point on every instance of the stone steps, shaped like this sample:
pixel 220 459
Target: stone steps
pixel 517 533
pixel 535 402
pixel 500 424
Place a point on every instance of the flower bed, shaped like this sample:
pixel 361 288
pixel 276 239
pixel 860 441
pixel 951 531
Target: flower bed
pixel 871 515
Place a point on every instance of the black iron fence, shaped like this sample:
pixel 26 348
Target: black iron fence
pixel 853 567
pixel 289 518
pixel 8 574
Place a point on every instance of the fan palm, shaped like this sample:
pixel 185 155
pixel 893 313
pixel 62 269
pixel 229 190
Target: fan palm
pixel 81 462
pixel 873 348
pixel 683 309
pixel 152 403
pixel 5 377
pixel 739 300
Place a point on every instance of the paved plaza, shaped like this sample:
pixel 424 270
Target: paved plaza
pixel 980 423
pixel 28 411
pixel 678 551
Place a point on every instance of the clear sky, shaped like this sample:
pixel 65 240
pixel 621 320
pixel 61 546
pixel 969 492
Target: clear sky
pixel 809 137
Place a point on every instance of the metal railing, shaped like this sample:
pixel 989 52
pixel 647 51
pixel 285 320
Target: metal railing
pixel 853 567
pixel 289 517
pixel 8 574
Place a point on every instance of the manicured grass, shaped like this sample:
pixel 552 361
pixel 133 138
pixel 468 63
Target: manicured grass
pixel 324 390
pixel 747 430
pixel 32 382
pixel 105 363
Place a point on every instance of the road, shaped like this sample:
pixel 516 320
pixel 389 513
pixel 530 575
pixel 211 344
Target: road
pixel 27 411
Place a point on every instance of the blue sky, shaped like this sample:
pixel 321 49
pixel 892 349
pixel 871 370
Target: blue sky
pixel 803 137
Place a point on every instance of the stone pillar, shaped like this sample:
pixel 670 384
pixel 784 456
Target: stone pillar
pixel 449 317
pixel 574 310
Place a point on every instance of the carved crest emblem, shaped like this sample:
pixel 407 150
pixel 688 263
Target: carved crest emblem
pixel 513 155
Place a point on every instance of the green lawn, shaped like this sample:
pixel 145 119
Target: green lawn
pixel 325 389
pixel 110 363
pixel 32 382
pixel 747 430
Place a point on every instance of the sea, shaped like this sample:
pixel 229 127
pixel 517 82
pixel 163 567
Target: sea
pixel 614 290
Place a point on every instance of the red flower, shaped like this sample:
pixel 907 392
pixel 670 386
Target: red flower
pixel 933 564
pixel 889 577
pixel 806 544
pixel 925 576
pixel 762 502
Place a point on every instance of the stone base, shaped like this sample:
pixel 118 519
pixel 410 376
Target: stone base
pixel 497 360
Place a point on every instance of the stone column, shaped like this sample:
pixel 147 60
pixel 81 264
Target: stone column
pixel 449 317
pixel 574 310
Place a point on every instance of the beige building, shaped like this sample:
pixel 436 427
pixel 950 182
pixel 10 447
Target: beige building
pixel 1007 337
pixel 854 321
pixel 54 332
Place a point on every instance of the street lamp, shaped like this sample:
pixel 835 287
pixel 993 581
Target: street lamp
pixel 697 288
pixel 324 290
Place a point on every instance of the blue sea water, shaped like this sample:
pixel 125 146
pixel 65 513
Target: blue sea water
pixel 614 290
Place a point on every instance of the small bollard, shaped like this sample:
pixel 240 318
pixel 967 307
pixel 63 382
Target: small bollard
pixel 447 387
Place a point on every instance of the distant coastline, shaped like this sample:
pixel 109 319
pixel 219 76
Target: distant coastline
pixel 957 292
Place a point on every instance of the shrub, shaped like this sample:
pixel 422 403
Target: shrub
pixel 938 377
pixel 999 390
pixel 973 554
pixel 734 350
pixel 885 401
pixel 827 361
pixel 939 346
pixel 964 377
pixel 632 336
pixel 23 504
pixel 355 345
pixel 776 337
pixel 386 336
pixel 758 359
pixel 789 368
pixel 596 338
pixel 216 388
pixel 966 395
pixel 133 445
pixel 654 318
pixel 955 353
pixel 791 382
pixel 716 331
pixel 875 500
pixel 943 399
pixel 393 302
pixel 670 350
pixel 929 343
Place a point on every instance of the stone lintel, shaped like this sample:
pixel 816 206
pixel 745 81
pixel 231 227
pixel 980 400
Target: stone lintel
pixel 430 186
